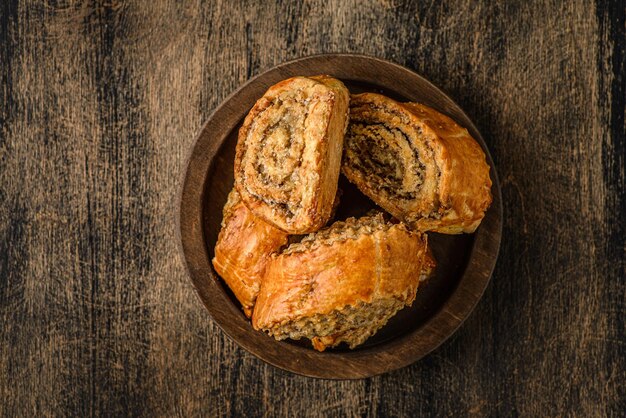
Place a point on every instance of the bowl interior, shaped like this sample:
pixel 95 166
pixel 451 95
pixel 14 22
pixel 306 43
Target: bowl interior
pixel 465 262
pixel 452 252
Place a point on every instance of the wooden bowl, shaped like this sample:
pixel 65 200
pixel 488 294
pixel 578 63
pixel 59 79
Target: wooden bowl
pixel 465 262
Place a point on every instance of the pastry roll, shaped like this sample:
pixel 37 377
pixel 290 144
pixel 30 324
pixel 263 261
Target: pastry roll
pixel 343 283
pixel 243 248
pixel 417 164
pixel 289 151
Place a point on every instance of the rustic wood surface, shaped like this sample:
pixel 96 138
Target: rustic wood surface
pixel 99 105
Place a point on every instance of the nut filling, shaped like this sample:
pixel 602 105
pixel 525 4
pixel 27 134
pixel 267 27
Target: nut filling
pixel 277 162
pixel 377 149
pixel 378 145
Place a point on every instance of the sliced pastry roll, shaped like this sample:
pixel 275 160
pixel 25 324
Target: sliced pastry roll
pixel 289 151
pixel 417 164
pixel 343 283
pixel 243 248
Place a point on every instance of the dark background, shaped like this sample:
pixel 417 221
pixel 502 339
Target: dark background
pixel 99 104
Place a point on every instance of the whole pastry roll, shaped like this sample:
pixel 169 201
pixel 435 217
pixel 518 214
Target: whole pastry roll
pixel 343 283
pixel 417 164
pixel 243 248
pixel 289 151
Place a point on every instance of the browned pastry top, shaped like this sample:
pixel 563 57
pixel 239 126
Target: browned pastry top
pixel 243 248
pixel 364 261
pixel 465 186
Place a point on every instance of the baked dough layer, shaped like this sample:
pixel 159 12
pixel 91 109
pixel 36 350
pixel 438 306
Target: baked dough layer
pixel 243 248
pixel 289 151
pixel 342 283
pixel 417 164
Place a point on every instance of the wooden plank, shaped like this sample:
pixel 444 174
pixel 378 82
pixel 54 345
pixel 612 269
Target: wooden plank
pixel 99 105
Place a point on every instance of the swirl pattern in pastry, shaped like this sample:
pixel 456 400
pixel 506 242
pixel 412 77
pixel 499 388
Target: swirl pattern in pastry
pixel 417 164
pixel 289 151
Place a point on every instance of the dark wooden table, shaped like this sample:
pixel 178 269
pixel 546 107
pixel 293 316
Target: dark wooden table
pixel 99 104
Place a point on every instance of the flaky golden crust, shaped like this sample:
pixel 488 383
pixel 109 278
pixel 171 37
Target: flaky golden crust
pixel 243 248
pixel 333 272
pixel 289 150
pixel 465 187
pixel 417 164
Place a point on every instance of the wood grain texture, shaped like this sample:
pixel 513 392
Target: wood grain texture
pixel 99 104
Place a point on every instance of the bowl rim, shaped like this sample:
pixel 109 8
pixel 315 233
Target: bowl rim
pixel 360 363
